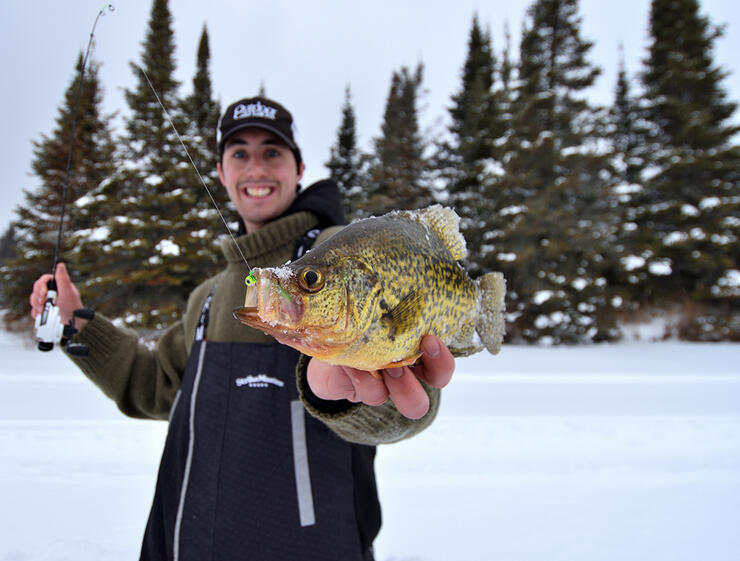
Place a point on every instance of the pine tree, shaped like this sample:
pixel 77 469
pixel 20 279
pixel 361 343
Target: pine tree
pixel 685 225
pixel 201 109
pixel 345 159
pixel 553 200
pixel 36 228
pixel 626 133
pixel 469 160
pixel 8 254
pixel 202 226
pixel 139 259
pixel 397 178
pixel 506 74
pixel 147 126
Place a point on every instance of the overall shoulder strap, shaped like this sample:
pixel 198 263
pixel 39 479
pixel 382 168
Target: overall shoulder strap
pixel 200 330
pixel 305 243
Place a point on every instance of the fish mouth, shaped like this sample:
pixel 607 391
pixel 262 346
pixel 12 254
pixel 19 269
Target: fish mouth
pixel 249 315
pixel 297 338
pixel 276 312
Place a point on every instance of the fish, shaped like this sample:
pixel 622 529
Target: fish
pixel 366 296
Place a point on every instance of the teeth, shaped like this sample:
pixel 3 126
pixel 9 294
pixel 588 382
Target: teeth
pixel 258 191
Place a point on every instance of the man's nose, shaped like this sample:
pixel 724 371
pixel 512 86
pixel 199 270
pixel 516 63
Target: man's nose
pixel 255 166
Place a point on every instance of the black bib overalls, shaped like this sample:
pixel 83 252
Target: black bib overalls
pixel 247 474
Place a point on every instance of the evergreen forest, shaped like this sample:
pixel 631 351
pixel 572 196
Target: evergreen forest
pixel 599 217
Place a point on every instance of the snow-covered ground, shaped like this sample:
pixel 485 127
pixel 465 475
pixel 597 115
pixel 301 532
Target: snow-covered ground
pixel 624 452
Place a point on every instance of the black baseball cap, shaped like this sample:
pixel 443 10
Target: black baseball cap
pixel 259 112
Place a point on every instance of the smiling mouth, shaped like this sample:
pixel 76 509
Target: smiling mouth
pixel 258 190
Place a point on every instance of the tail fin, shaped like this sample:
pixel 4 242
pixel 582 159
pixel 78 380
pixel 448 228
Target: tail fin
pixel 490 323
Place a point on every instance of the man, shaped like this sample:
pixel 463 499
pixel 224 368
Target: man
pixel 245 473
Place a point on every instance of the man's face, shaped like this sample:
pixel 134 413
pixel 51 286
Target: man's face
pixel 259 173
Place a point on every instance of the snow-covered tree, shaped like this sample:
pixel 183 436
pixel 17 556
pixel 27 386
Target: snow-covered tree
pixel 345 159
pixel 685 228
pixel 552 200
pixel 626 133
pixel 35 230
pixel 467 162
pixel 397 177
pixel 139 259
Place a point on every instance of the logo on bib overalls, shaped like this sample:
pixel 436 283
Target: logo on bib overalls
pixel 259 381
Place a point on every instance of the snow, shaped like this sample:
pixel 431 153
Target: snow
pixel 513 210
pixel 710 202
pixel 542 296
pixel 612 452
pixel 728 285
pixel 660 267
pixel 284 273
pixel 579 283
pixel 632 262
pixel 153 180
pixel 98 234
pixel 689 210
pixel 167 247
pixel 675 237
pixel 506 257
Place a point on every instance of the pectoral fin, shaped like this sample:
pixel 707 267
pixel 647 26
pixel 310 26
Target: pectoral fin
pixel 406 314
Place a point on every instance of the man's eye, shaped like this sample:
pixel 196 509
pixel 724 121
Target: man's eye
pixel 272 153
pixel 239 154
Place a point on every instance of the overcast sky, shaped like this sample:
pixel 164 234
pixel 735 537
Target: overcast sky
pixel 305 53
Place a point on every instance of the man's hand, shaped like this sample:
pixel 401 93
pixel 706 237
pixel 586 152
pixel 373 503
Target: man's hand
pixel 68 297
pixel 401 385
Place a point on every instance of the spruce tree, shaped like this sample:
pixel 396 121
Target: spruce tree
pixel 201 110
pixel 139 259
pixel 8 254
pixel 345 159
pixel 469 160
pixel 552 201
pixel 202 226
pixel 36 227
pixel 626 132
pixel 685 223
pixel 398 174
pixel 147 126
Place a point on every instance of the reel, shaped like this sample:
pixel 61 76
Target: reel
pixel 50 329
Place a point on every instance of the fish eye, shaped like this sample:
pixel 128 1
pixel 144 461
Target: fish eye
pixel 311 279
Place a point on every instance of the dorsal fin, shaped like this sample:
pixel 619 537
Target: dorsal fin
pixel 445 223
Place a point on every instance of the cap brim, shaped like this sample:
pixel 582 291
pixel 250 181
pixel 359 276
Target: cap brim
pixel 265 126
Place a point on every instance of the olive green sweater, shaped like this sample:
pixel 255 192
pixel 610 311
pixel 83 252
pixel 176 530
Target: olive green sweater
pixel 144 382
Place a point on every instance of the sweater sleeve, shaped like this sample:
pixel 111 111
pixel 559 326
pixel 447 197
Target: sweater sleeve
pixel 360 423
pixel 142 382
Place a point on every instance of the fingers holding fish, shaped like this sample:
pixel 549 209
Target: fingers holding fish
pixel 401 385
pixel 407 393
pixel 331 382
pixel 437 363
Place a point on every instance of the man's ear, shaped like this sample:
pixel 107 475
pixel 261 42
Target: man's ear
pixel 220 173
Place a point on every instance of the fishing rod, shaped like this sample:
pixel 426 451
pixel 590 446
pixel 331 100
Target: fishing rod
pixel 48 325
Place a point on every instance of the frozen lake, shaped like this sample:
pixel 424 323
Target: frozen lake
pixel 615 452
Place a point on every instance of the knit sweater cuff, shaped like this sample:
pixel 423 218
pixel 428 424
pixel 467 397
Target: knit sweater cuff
pixel 360 423
pixel 104 339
